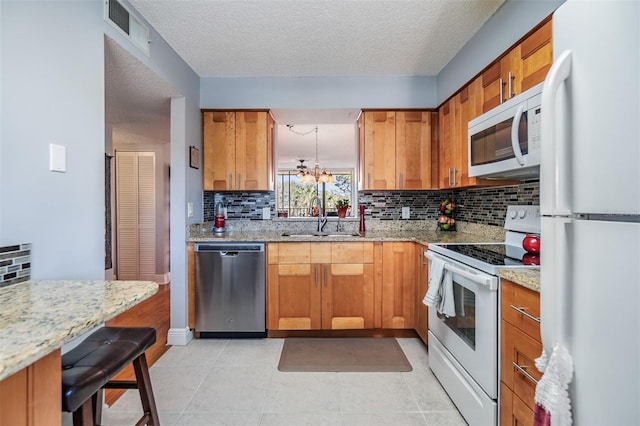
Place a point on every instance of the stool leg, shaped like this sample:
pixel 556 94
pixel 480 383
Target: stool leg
pixel 146 392
pixel 97 407
pixel 83 416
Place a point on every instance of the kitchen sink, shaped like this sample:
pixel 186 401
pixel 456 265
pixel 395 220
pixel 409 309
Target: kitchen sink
pixel 321 234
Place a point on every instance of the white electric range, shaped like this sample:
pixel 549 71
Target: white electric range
pixel 463 348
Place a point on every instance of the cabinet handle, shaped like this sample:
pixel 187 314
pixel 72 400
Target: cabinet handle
pixel 449 175
pixel 501 91
pixel 424 256
pixel 315 268
pixel 326 278
pixel 511 77
pixel 523 371
pixel 401 180
pixel 521 311
pixel 238 183
pixel 455 181
pixel 230 180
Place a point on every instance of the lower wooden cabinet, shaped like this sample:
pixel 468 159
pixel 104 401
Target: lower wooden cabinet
pixel 32 395
pixel 398 285
pixel 422 277
pixel 521 345
pixel 312 286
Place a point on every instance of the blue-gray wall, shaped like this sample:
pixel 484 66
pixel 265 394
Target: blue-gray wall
pixel 52 91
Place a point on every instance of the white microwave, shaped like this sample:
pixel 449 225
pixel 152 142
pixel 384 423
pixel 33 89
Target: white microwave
pixel 504 143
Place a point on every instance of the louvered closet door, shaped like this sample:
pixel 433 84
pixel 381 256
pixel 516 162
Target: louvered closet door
pixel 135 215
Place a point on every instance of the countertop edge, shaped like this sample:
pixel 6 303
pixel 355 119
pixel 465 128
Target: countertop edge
pixel 33 325
pixel 528 278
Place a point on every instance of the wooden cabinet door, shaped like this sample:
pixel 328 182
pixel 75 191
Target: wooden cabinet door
pixel 422 277
pixel 413 150
pixel 293 288
pixel 32 395
pixel 536 56
pixel 219 150
pixel 446 149
pixel 251 151
pixel 398 285
pixel 379 150
pixel 347 296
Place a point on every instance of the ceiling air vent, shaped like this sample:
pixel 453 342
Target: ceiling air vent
pixel 118 15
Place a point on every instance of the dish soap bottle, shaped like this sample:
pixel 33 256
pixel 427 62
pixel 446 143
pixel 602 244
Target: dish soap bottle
pixel 361 218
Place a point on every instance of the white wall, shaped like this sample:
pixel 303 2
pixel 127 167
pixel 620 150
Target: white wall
pixel 53 92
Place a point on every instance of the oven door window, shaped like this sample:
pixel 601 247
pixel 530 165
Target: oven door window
pixel 464 323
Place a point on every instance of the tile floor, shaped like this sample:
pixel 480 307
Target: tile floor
pixel 237 382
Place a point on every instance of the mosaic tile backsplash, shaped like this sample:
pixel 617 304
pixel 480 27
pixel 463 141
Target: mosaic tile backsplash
pixel 485 206
pixel 15 264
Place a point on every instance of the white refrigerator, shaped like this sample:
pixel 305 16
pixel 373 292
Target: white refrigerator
pixel 590 207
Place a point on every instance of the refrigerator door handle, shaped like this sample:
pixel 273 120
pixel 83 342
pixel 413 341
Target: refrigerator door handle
pixel 515 136
pixel 554 184
pixel 555 312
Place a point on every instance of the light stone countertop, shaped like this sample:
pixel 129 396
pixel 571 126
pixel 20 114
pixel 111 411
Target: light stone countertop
pixel 39 316
pixel 529 278
pixel 419 236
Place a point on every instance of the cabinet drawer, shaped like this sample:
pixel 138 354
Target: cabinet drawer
pixel 513 412
pixel 521 308
pixel 519 352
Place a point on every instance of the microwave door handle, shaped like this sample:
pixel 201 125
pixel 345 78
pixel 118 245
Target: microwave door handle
pixel 515 135
pixel 554 183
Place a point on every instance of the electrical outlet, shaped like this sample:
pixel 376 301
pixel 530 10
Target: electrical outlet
pixel 406 212
pixel 189 209
pixel 266 213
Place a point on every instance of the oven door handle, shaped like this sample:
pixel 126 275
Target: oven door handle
pixel 488 281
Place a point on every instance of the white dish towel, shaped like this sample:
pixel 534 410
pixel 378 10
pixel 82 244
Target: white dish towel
pixel 440 289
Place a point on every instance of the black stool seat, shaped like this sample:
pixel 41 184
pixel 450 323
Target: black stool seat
pixel 89 367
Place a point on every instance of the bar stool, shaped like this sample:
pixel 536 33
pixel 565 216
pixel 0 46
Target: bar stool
pixel 88 368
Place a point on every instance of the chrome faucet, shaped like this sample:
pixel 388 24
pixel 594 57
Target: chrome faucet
pixel 322 221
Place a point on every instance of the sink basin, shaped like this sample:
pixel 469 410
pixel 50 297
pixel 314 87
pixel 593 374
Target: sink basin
pixel 321 234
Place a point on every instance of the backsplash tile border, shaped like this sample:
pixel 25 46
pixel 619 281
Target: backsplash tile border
pixel 483 206
pixel 15 264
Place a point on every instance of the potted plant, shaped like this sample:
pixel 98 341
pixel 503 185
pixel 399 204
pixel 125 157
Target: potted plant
pixel 342 206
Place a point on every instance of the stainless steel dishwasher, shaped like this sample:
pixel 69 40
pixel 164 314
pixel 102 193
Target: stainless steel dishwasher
pixel 230 289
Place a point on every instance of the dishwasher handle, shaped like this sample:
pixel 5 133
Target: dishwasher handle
pixel 229 249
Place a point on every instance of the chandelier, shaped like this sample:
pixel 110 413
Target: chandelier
pixel 317 174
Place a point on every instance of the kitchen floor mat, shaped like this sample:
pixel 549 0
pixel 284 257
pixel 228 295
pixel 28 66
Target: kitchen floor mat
pixel 342 354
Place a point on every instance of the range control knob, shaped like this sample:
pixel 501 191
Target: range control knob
pixel 522 213
pixel 513 214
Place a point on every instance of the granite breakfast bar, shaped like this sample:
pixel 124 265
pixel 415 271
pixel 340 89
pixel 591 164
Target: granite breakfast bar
pixel 37 318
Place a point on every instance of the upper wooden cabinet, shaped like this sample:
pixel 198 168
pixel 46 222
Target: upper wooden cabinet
pixel 396 150
pixel 321 285
pixel 521 68
pixel 237 150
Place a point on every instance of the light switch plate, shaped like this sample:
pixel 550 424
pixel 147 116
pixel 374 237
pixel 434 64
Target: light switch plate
pixel 406 212
pixel 57 158
pixel 266 213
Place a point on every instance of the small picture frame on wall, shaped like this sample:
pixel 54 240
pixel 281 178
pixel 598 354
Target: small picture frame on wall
pixel 194 157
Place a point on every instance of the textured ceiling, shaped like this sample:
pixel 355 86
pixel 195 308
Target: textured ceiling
pixel 316 38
